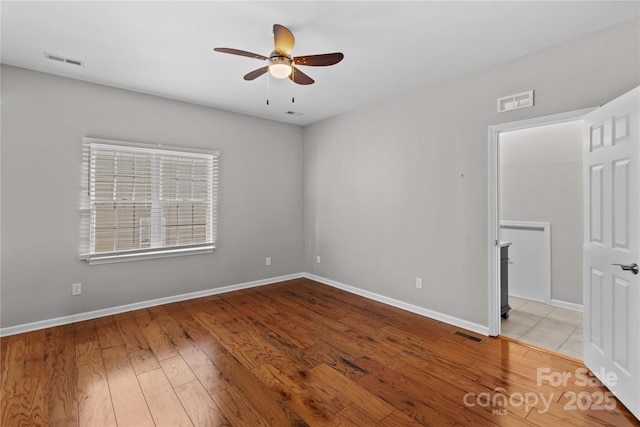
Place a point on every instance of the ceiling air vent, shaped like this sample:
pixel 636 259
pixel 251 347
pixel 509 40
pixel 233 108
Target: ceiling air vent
pixel 63 59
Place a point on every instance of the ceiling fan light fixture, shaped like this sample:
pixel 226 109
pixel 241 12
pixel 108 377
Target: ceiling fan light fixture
pixel 280 67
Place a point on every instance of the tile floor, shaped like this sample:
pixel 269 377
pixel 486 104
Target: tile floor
pixel 549 327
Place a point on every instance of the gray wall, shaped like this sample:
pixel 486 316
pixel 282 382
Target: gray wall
pixel 399 190
pixel 391 192
pixel 44 118
pixel 541 180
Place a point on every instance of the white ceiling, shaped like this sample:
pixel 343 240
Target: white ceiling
pixel 390 47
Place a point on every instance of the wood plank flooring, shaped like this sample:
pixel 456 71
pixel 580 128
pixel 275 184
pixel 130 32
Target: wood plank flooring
pixel 294 353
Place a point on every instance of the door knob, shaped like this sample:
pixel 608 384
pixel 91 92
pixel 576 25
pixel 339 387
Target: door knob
pixel 633 267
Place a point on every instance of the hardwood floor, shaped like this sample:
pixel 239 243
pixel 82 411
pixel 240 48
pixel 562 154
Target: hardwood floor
pixel 290 354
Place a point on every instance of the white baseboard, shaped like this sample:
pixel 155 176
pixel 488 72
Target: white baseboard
pixel 79 317
pixel 554 302
pixel 511 294
pixel 461 323
pixel 567 305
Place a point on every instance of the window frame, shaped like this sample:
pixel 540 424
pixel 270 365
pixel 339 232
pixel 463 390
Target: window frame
pixel 158 249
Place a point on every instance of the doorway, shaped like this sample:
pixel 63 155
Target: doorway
pixel 541 210
pixel 611 246
pixel 559 300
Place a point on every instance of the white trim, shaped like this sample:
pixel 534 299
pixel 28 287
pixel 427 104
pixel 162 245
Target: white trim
pixel 79 317
pixel 28 327
pixel 461 323
pixel 545 227
pixel 494 234
pixel 494 200
pixel 543 120
pixel 567 305
pixel 137 256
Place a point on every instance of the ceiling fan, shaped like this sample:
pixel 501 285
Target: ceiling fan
pixel 280 62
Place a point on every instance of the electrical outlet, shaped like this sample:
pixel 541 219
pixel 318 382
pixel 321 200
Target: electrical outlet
pixel 76 289
pixel 317 259
pixel 268 261
pixel 418 282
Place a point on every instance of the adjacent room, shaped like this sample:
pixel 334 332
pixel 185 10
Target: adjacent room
pixel 541 210
pixel 288 213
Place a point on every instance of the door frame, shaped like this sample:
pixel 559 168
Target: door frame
pixel 493 246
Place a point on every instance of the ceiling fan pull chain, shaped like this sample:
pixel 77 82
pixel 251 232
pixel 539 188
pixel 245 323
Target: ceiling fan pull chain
pixel 293 73
pixel 268 89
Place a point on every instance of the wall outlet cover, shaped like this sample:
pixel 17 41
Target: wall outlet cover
pixel 76 289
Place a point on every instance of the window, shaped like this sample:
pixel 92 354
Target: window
pixel 144 201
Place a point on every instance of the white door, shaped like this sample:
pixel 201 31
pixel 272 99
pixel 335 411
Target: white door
pixel 612 236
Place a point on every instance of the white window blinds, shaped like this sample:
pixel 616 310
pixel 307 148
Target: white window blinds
pixel 141 200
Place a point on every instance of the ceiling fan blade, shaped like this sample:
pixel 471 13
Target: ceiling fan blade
pixel 239 52
pixel 299 77
pixel 321 60
pixel 283 40
pixel 256 73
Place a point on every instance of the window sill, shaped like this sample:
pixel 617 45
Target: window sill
pixel 110 259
